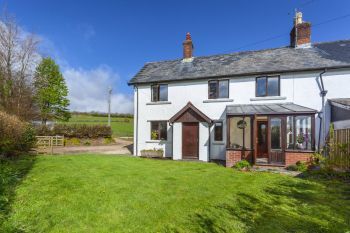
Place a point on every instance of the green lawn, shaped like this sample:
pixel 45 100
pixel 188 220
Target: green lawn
pixel 95 193
pixel 121 127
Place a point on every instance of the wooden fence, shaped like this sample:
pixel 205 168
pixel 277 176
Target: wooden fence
pixel 49 142
pixel 339 148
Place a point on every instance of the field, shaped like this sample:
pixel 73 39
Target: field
pixel 94 193
pixel 121 127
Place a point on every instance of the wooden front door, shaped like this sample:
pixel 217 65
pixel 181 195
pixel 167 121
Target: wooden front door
pixel 262 148
pixel 190 140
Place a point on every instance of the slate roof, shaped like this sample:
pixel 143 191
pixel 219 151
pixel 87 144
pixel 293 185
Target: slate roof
pixel 286 59
pixel 267 109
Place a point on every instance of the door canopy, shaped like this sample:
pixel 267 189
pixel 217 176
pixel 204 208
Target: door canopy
pixel 190 113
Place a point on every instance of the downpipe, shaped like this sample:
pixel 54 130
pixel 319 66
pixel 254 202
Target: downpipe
pixel 323 94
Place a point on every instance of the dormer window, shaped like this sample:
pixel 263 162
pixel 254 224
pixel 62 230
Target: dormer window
pixel 218 89
pixel 159 92
pixel 267 86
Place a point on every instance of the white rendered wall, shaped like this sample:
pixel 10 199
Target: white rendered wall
pixel 203 141
pixel 177 127
pixel 299 88
pixel 135 121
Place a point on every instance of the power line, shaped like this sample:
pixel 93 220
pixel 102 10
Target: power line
pixel 306 3
pixel 261 41
pixel 331 20
pixel 301 6
pixel 285 34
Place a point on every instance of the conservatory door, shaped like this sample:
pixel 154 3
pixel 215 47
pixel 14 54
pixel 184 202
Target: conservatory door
pixel 276 140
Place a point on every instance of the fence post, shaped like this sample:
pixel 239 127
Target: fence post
pixel 51 140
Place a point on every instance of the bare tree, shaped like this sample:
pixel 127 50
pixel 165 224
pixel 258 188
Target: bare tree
pixel 18 59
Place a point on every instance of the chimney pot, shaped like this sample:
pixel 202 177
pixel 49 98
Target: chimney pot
pixel 188 36
pixel 187 47
pixel 298 18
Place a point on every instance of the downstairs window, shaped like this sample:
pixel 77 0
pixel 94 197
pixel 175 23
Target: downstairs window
pixel 218 131
pixel 158 130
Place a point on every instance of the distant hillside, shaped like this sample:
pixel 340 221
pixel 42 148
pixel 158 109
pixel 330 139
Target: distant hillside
pixel 101 114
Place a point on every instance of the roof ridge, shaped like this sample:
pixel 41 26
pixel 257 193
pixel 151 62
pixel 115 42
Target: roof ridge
pixel 221 54
pixel 249 51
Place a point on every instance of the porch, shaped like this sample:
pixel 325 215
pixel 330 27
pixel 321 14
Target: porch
pixel 270 134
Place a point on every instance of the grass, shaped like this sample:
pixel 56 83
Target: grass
pixel 91 193
pixel 121 127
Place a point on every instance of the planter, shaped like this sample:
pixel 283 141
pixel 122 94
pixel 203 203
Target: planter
pixel 152 153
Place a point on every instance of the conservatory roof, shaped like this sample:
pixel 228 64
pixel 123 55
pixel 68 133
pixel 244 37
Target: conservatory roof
pixel 268 109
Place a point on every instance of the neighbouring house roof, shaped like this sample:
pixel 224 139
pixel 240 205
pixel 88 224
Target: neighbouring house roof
pixel 189 113
pixel 341 102
pixel 286 59
pixel 340 113
pixel 267 109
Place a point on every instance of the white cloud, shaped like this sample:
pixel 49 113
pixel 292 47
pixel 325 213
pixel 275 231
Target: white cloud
pixel 88 90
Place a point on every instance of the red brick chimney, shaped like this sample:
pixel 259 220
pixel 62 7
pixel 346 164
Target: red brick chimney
pixel 188 46
pixel 300 36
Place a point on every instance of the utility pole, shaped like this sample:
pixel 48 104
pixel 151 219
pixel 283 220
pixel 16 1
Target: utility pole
pixel 109 105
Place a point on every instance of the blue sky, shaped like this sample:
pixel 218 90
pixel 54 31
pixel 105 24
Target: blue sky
pixel 106 42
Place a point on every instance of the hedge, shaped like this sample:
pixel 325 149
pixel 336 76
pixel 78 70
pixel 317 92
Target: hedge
pixel 76 131
pixel 16 136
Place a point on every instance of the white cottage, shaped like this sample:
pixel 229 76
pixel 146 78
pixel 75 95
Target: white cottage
pixel 269 106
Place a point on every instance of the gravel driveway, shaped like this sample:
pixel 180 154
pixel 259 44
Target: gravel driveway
pixel 123 147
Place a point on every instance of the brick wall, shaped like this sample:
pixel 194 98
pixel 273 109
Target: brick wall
pixel 234 156
pixel 293 157
pixel 302 32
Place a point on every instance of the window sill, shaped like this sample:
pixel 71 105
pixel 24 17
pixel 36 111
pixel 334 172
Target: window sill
pixel 217 100
pixel 156 141
pixel 218 143
pixel 268 98
pixel 158 103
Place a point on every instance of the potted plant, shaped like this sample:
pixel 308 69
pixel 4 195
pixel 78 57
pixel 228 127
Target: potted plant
pixel 154 135
pixel 300 138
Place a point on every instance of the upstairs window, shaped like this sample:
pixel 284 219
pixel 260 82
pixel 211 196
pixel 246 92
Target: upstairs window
pixel 218 131
pixel 268 86
pixel 159 92
pixel 218 89
pixel 158 130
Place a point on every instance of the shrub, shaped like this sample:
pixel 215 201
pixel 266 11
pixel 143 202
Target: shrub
pixel 292 167
pixel 299 166
pixel 73 141
pixel 242 165
pixel 87 143
pixel 76 131
pixel 108 140
pixel 317 159
pixel 16 136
